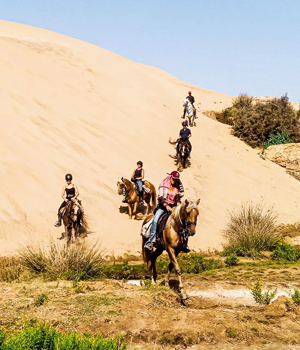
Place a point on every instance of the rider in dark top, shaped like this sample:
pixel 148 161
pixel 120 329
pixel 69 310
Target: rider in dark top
pixel 184 135
pixel 137 177
pixel 192 100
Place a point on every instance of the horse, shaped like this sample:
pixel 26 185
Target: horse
pixel 189 111
pixel 71 218
pixel 183 151
pixel 127 189
pixel 182 217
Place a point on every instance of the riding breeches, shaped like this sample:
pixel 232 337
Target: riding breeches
pixel 139 184
pixel 63 204
pixel 157 215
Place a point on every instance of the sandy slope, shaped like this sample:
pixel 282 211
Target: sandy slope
pixel 69 106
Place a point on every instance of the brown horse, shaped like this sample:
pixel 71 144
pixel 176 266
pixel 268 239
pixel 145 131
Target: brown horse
pixel 182 153
pixel 127 189
pixel 71 216
pixel 183 217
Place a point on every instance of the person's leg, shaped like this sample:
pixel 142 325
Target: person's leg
pixel 140 187
pixel 58 222
pixel 152 238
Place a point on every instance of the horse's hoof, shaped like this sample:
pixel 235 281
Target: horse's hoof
pixel 184 296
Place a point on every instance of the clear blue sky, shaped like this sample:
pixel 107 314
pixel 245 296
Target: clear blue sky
pixel 230 46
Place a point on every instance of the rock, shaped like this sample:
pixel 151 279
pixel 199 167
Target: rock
pixel 287 156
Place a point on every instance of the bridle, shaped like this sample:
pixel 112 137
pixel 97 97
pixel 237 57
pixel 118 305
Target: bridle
pixel 184 229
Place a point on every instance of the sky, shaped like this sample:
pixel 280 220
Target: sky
pixel 229 46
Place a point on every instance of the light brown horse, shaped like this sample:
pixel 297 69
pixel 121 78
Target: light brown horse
pixel 127 189
pixel 184 217
pixel 70 219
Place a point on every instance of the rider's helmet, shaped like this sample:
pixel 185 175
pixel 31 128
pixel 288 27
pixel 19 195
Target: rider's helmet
pixel 68 177
pixel 184 123
pixel 140 162
pixel 175 175
pixel 190 92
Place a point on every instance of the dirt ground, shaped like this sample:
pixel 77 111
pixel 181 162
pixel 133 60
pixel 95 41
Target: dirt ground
pixel 219 314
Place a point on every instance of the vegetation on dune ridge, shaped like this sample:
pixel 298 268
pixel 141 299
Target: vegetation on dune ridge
pixel 262 123
pixel 43 337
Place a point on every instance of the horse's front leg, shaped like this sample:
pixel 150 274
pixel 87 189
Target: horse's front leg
pixel 135 208
pixel 67 236
pixel 174 261
pixel 129 210
pixel 73 234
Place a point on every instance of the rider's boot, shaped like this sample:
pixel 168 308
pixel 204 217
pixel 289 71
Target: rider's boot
pixel 58 222
pixel 141 197
pixel 185 247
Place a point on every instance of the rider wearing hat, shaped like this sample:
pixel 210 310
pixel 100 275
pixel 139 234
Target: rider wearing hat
pixel 137 177
pixel 169 196
pixel 184 135
pixel 69 193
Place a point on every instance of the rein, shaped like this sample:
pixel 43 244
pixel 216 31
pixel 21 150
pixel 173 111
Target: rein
pixel 184 224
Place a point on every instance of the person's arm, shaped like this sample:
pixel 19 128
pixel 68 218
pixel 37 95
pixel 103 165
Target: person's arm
pixel 63 194
pixel 190 134
pixel 76 192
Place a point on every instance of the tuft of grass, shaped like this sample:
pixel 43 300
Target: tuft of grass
pixel 260 297
pixel 231 333
pixel 10 268
pixel 251 230
pixel 231 260
pixel 41 299
pixel 70 262
pixel 295 296
pixel 43 337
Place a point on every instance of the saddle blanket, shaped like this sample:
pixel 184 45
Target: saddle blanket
pixel 145 231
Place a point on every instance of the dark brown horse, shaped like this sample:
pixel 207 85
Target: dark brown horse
pixel 71 218
pixel 127 189
pixel 182 217
pixel 183 152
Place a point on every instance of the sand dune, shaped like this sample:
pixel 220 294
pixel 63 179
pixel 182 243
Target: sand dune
pixel 69 106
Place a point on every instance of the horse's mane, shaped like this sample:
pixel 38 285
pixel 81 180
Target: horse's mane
pixel 176 211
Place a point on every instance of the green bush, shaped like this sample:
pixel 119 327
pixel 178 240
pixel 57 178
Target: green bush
pixel 43 337
pixel 260 297
pixel 231 333
pixel 278 139
pixel 70 262
pixel 261 122
pixel 296 296
pixel 285 251
pixel 250 231
pixel 231 260
pixel 41 299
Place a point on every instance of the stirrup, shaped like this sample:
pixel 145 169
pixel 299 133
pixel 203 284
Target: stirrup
pixel 149 246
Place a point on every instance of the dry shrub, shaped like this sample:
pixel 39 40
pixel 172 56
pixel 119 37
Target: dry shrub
pixel 10 268
pixel 72 262
pixel 251 230
pixel 256 122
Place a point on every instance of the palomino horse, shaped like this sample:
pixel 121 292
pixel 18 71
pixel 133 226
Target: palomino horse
pixel 183 151
pixel 183 217
pixel 71 217
pixel 189 112
pixel 127 189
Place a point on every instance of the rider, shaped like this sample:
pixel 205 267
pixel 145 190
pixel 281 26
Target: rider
pixel 170 192
pixel 184 135
pixel 137 177
pixel 69 193
pixel 192 100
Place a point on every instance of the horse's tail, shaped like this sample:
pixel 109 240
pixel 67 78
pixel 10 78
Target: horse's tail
pixel 85 222
pixel 153 197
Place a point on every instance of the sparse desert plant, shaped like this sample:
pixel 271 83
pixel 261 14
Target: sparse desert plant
pixel 251 230
pixel 278 139
pixel 296 296
pixel 62 261
pixel 41 299
pixel 262 298
pixel 286 252
pixel 231 260
pixel 10 268
pixel 231 333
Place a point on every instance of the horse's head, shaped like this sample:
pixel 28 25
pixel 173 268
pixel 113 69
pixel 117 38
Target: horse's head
pixel 76 208
pixel 183 149
pixel 190 213
pixel 121 186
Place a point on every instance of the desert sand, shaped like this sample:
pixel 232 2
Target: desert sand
pixel 69 106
